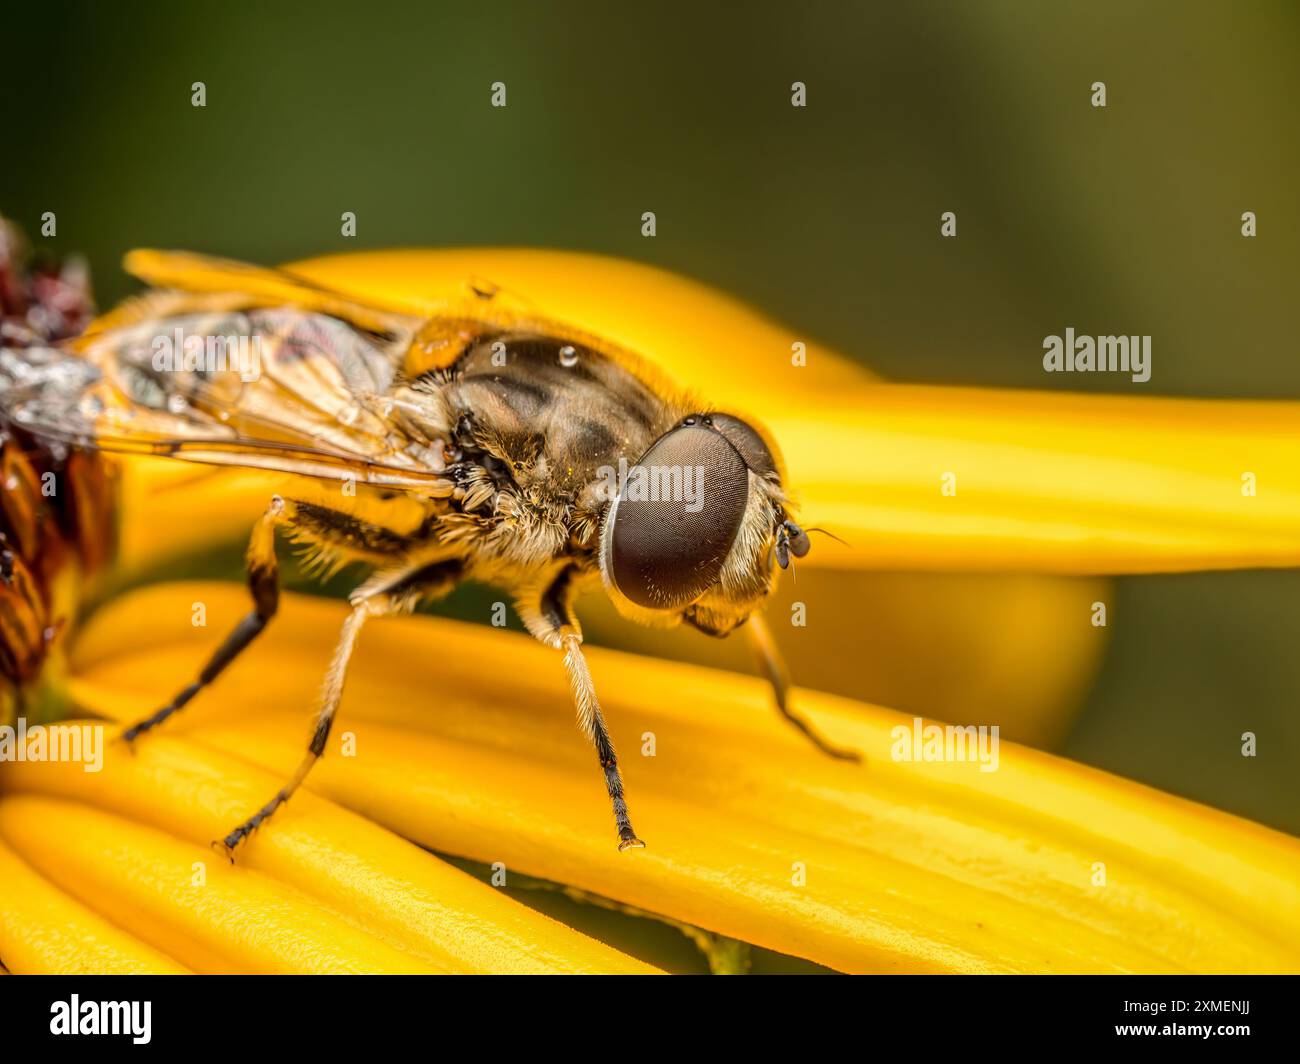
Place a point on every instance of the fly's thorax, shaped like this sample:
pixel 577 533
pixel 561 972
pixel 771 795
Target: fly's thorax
pixel 538 422
pixel 558 409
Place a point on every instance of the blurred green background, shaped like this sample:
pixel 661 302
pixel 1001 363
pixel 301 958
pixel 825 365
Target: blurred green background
pixel 1119 220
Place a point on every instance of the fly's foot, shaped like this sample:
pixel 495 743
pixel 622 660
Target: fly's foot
pixel 223 847
pixel 154 719
pixel 840 753
pixel 126 741
pixel 231 842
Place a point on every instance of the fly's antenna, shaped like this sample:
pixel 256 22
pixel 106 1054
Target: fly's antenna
pixel 832 535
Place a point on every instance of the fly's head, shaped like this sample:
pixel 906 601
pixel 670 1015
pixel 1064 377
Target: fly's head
pixel 698 526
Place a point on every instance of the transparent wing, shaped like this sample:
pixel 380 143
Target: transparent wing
pixel 267 387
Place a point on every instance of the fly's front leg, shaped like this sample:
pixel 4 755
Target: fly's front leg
pixel 551 621
pixel 769 659
pixel 264 585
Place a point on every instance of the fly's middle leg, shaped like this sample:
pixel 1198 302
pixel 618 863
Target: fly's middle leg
pixel 333 695
pixel 385 593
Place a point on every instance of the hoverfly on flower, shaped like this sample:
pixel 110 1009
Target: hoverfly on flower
pixel 476 442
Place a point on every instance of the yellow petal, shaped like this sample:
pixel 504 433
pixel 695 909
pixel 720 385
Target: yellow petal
pixel 700 336
pixel 908 866
pixel 45 932
pixel 185 900
pixel 173 511
pixel 1047 483
pixel 382 884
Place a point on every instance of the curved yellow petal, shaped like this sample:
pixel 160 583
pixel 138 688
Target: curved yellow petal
pixel 384 885
pixel 1041 865
pixel 173 511
pixel 45 932
pixel 965 479
pixel 186 900
pixel 702 337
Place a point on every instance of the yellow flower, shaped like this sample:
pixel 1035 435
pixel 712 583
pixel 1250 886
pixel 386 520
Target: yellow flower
pixel 895 865
pixel 1041 865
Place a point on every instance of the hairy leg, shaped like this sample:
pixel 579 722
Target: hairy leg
pixel 549 616
pixel 383 594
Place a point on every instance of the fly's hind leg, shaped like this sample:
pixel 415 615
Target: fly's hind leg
pixel 551 620
pixel 264 585
pixel 384 594
pixel 773 666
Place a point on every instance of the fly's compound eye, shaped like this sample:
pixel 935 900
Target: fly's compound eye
pixel 675 517
pixel 753 449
